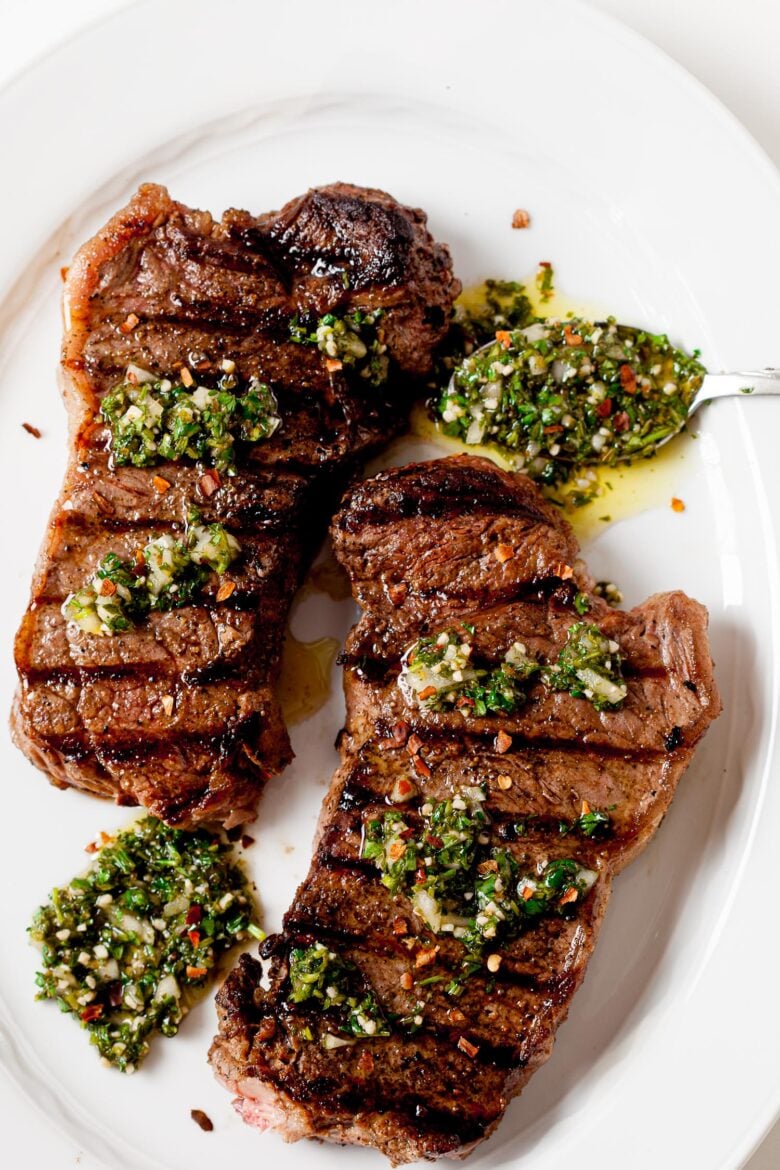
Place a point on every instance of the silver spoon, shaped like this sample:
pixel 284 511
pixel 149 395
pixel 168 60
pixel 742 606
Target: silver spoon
pixel 714 386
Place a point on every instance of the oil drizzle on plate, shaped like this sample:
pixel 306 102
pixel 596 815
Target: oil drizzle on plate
pixel 304 685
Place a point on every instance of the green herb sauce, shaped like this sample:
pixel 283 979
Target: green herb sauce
pixel 588 666
pixel 128 946
pixel 559 395
pixel 462 884
pixel 321 979
pixel 168 574
pixel 156 419
pixel 353 340
pixel 438 672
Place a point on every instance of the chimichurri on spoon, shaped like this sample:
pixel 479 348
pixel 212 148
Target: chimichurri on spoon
pixel 555 395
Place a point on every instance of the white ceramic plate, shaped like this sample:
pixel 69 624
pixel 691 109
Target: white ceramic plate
pixel 651 200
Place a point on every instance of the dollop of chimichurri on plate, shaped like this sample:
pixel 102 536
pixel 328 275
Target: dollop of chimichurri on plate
pixel 129 945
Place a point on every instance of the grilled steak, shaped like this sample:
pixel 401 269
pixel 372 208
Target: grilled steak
pixel 162 287
pixel 428 547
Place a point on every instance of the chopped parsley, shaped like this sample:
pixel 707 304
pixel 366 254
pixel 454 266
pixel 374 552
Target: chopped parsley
pixel 493 305
pixel 167 574
pixel 559 395
pixel 321 979
pixel 545 281
pixel 460 883
pixel 581 604
pixel 153 419
pixel 438 673
pixel 353 340
pixel 588 666
pixel 129 946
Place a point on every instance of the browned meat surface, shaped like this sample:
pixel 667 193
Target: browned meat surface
pixel 425 546
pixel 162 287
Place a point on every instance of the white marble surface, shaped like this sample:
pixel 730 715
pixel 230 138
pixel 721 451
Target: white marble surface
pixel 730 47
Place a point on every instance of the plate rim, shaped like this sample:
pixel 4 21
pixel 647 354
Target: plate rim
pixel 639 44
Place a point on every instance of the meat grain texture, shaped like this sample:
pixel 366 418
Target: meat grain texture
pixel 162 286
pixel 426 546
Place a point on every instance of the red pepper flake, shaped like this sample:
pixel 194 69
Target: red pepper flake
pixel 396 851
pixel 571 895
pixel 397 593
pixel 456 1016
pixel 527 893
pixel 585 809
pixel 571 338
pixel 464 701
pixel 400 926
pixel 194 915
pixel 503 553
pixel 426 957
pixel 129 323
pixel 604 409
pixel 196 972
pixel 365 1064
pixel 107 588
pixel 202 1119
pixel 413 744
pixel 565 572
pixel 31 430
pixel 553 429
pixel 502 742
pixel 420 877
pixel 504 338
pixel 421 767
pixel 427 693
pixel 621 422
pixel 194 937
pixel 246 841
pixel 407 981
pixel 186 377
pixel 403 789
pixel 521 219
pixel 677 505
pixel 102 840
pixel 400 732
pixel 466 1046
pixel 489 866
pixel 160 485
pixel 93 1012
pixel 64 272
pixel 332 365
pixel 209 482
pixel 225 590
pixel 628 379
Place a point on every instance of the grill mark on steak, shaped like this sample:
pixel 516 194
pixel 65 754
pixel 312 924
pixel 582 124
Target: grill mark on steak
pixel 427 1095
pixel 87 710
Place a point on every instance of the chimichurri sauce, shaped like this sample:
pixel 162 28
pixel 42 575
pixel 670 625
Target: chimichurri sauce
pixel 557 395
pixel 129 945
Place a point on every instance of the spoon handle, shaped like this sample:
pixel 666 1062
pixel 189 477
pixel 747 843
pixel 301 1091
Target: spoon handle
pixel 740 382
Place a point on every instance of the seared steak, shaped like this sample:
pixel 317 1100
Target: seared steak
pixel 428 547
pixel 179 713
